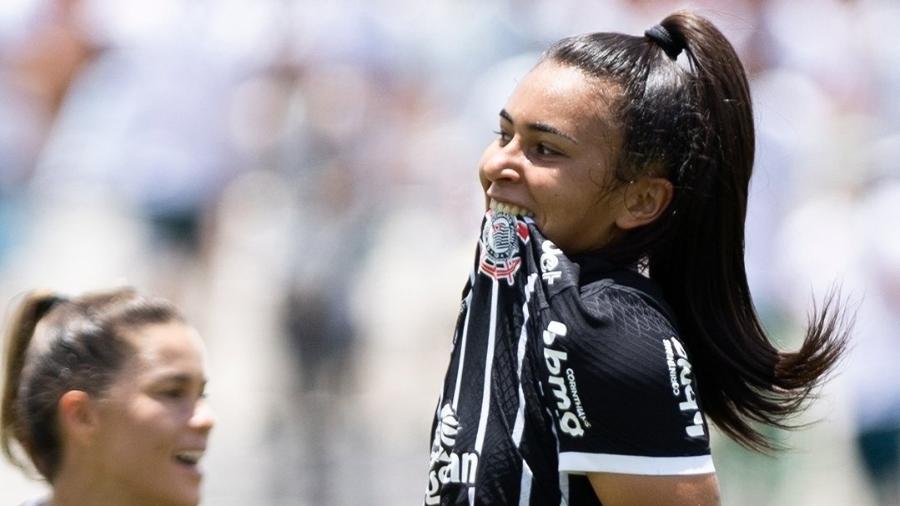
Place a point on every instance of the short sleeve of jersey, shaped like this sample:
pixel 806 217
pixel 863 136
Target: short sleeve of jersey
pixel 621 386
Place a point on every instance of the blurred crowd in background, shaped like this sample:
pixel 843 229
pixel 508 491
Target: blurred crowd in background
pixel 301 177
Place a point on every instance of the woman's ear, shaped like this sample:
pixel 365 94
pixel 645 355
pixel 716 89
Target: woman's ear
pixel 78 417
pixel 645 200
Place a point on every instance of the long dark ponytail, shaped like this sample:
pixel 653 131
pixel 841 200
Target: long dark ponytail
pixel 691 120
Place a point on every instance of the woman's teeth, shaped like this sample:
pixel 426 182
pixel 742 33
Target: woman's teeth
pixel 189 457
pixel 502 207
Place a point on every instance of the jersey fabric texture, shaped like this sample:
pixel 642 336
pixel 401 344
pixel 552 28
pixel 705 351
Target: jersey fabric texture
pixel 559 367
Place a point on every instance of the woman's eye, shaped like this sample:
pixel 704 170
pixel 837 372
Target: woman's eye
pixel 503 137
pixel 545 150
pixel 173 394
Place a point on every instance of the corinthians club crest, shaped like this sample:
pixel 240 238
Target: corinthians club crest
pixel 500 246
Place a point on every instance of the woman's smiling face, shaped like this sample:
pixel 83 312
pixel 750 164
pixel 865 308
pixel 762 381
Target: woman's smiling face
pixel 552 158
pixel 154 421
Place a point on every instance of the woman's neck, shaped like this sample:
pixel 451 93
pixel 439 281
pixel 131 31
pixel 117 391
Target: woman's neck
pixel 79 486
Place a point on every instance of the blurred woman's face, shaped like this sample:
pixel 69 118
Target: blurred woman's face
pixel 552 158
pixel 154 421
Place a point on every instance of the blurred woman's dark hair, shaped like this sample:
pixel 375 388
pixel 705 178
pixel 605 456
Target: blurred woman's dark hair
pixel 54 345
pixel 681 103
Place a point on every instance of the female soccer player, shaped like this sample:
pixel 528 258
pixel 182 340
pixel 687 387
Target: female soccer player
pixel 104 395
pixel 608 314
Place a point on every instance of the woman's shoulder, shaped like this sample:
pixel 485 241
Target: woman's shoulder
pixel 631 305
pixel 626 354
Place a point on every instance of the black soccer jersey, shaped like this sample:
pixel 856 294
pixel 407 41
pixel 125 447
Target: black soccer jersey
pixel 559 368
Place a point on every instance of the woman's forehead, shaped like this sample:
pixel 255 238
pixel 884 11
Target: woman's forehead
pixel 565 97
pixel 166 346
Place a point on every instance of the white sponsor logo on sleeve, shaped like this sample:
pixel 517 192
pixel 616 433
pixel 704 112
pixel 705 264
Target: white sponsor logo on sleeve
pixel 682 382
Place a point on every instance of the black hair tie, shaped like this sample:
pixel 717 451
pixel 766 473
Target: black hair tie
pixel 660 35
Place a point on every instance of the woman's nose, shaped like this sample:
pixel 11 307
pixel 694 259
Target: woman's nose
pixel 203 418
pixel 503 163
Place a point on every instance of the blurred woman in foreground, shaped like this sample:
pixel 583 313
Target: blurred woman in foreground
pixel 104 396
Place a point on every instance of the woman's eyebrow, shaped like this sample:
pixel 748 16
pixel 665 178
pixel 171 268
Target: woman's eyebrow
pixel 541 127
pixel 179 378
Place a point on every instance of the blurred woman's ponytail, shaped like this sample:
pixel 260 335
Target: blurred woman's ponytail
pixel 18 338
pixel 682 101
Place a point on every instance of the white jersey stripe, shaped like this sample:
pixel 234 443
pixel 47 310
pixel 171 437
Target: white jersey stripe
pixel 577 462
pixel 525 488
pixel 486 391
pixel 462 353
pixel 519 424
